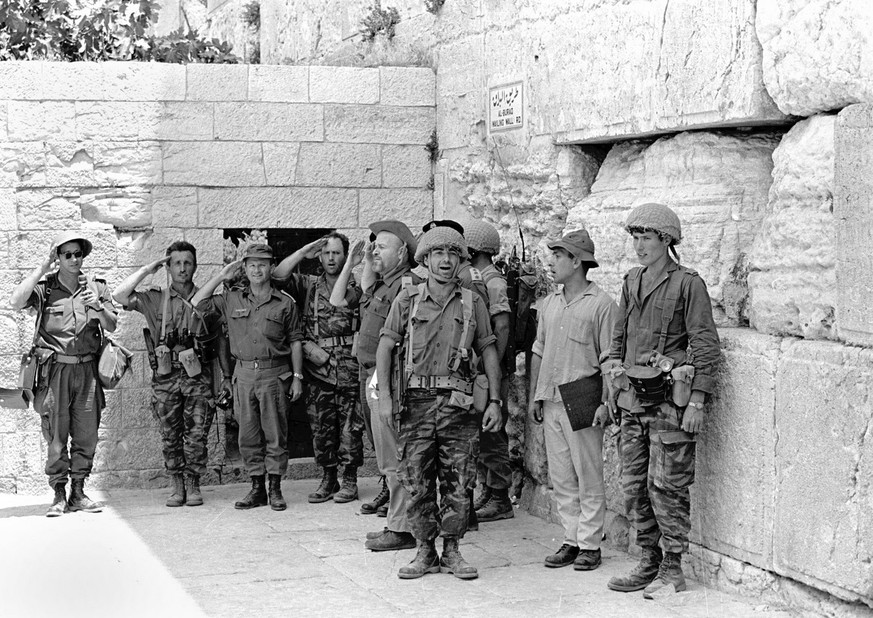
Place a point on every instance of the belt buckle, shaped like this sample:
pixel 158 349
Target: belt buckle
pixel 256 364
pixel 431 386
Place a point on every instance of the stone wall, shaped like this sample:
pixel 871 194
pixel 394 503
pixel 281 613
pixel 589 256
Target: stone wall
pixel 139 155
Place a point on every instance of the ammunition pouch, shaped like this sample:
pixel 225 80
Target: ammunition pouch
pixel 314 354
pixel 651 385
pixel 206 346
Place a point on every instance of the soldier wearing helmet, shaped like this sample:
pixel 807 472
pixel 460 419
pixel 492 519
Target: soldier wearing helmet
pixel 661 369
pixel 495 472
pixel 73 311
pixel 443 327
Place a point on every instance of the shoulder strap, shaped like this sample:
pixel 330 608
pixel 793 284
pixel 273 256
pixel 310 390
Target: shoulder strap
pixel 40 310
pixel 467 310
pixel 415 292
pixel 312 300
pixel 674 286
pixel 165 310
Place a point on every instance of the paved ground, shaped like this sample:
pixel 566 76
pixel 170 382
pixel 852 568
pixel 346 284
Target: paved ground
pixel 139 558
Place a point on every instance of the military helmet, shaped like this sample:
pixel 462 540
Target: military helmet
pixel 65 237
pixel 441 236
pixel 483 237
pixel 657 217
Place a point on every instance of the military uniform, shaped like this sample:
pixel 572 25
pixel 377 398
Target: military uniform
pixel 332 397
pixel 70 399
pixel 260 335
pixel 183 405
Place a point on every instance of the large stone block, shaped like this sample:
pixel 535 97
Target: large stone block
pixel 853 216
pixel 174 206
pixel 343 85
pixel 128 449
pixel 407 86
pixel 22 164
pixel 406 166
pixel 137 411
pixel 143 81
pixel 792 263
pixel 276 207
pixel 48 209
pixel 137 248
pixel 121 207
pixel 3 132
pixel 72 81
pixel 413 206
pixel 716 183
pixel 817 54
pixel 119 164
pixel 378 124
pixel 823 523
pixel 41 121
pixel 117 120
pixel 69 164
pixel 269 122
pixel 339 165
pixel 213 164
pixel 185 121
pixel 210 247
pixel 288 84
pixel 280 162
pixel 217 82
pixel 21 79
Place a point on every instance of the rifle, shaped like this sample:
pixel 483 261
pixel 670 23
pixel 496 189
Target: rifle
pixel 398 383
pixel 150 349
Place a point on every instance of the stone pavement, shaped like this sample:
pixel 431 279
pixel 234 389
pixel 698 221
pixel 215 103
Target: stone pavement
pixel 139 558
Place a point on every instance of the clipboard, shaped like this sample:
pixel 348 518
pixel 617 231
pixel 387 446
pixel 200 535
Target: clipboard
pixel 581 398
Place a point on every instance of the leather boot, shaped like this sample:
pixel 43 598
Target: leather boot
pixel 498 507
pixel 480 502
pixel 177 498
pixel 59 504
pixel 370 508
pixel 391 541
pixel 670 577
pixel 453 562
pixel 79 501
pixel 327 488
pixel 642 575
pixel 195 498
pixel 349 489
pixel 256 497
pixel 277 501
pixel 427 560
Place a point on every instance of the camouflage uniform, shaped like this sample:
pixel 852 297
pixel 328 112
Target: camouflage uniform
pixel 69 399
pixel 439 436
pixel 332 397
pixel 657 455
pixel 183 406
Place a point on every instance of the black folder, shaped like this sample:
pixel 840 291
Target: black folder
pixel 581 399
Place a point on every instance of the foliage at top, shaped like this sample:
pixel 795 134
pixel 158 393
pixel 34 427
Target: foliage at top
pixel 433 6
pixel 379 21
pixel 251 15
pixel 78 30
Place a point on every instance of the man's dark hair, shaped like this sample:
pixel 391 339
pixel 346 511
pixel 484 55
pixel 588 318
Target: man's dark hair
pixel 342 238
pixel 181 245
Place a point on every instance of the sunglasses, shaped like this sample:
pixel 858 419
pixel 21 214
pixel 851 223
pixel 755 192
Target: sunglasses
pixel 71 254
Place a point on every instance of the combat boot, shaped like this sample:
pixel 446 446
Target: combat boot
pixel 484 496
pixel 194 497
pixel 370 508
pixel 59 504
pixel 391 541
pixel 277 501
pixel 79 501
pixel 498 507
pixel 670 577
pixel 427 560
pixel 453 562
pixel 327 488
pixel 177 498
pixel 642 575
pixel 257 496
pixel 349 489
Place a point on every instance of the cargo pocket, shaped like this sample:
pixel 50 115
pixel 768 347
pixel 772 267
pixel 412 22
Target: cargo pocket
pixel 674 460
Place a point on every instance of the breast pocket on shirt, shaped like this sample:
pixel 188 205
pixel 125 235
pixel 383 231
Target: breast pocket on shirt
pixel 53 318
pixel 420 331
pixel 274 326
pixel 580 331
pixel 237 321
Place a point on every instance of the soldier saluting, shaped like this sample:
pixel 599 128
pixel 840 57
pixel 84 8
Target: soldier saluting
pixel 441 324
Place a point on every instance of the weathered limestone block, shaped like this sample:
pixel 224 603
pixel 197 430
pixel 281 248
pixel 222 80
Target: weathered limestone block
pixel 22 164
pixel 136 248
pixel 111 416
pixel 9 335
pixel 213 164
pixel 143 81
pixel 137 411
pixel 280 162
pixel 117 120
pixel 532 185
pixel 174 206
pixel 817 54
pixel 128 449
pixel 853 214
pixel 343 85
pixel 378 124
pixel 122 207
pixel 269 122
pixel 41 121
pixel 119 164
pixel 792 263
pixel 21 79
pixel 3 132
pixel 823 523
pixel 272 207
pixel 716 183
pixel 413 206
pixel 48 209
pixel 210 249
pixel 406 166
pixel 288 84
pixel 185 121
pixel 338 165
pixel 217 82
pixel 71 81
pixel 69 164
pixel 20 454
pixel 407 86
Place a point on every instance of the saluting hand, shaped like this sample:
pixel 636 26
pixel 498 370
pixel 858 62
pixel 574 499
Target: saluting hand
pixel 51 260
pixel 312 249
pixel 356 255
pixel 229 271
pixel 156 265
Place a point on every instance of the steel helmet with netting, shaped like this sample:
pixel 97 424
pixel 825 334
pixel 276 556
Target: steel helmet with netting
pixel 656 217
pixel 441 236
pixel 483 237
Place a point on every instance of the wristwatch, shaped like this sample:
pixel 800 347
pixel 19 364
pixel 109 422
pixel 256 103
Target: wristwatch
pixel 299 376
pixel 499 402
pixel 694 404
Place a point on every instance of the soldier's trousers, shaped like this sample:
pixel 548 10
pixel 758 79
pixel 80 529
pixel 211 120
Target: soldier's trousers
pixel 494 467
pixel 438 441
pixel 385 440
pixel 363 376
pixel 184 410
pixel 337 424
pixel 69 406
pixel 657 460
pixel 261 407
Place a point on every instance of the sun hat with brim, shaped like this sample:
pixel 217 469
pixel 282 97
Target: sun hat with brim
pixel 579 244
pixel 399 229
pixel 258 250
pixel 65 237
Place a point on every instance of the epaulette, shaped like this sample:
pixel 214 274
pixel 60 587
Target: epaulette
pixel 98 280
pixel 284 293
pixel 475 275
pixel 689 271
